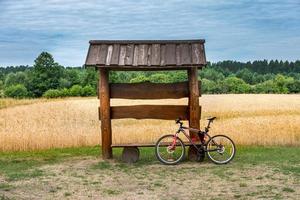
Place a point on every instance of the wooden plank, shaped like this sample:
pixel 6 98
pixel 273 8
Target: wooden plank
pixel 109 54
pixel 178 55
pixel 142 54
pixel 155 54
pixel 170 54
pixel 162 55
pixel 135 55
pixel 149 55
pixel 196 48
pixel 194 111
pixel 150 112
pixel 186 57
pixel 115 55
pixel 105 114
pixel 102 55
pixel 133 145
pixel 202 55
pixel 145 144
pixel 92 54
pixel 141 90
pixel 122 55
pixel 148 68
pixel 129 54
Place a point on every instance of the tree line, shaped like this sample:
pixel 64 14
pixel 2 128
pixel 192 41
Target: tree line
pixel 46 78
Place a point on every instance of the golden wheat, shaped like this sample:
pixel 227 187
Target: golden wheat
pixel 9 102
pixel 247 119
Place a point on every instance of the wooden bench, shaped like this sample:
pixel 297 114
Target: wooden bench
pixel 131 152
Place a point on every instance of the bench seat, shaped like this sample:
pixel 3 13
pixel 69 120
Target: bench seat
pixel 141 145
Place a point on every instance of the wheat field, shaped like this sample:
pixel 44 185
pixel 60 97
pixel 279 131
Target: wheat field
pixel 249 119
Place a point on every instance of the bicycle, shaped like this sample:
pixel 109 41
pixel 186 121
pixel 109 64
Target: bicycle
pixel 170 149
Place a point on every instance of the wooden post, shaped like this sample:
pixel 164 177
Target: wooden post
pixel 105 113
pixel 194 112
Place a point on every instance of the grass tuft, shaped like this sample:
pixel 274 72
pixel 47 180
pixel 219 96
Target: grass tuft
pixel 101 165
pixel 111 192
pixel 287 189
pixel 5 187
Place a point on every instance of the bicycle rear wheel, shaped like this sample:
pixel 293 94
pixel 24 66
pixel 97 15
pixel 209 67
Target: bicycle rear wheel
pixel 168 151
pixel 220 149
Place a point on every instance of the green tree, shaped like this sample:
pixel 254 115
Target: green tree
pixel 64 83
pixel 159 78
pixel 45 74
pixel 282 82
pixel 88 91
pixel 246 75
pixel 235 85
pixel 74 75
pixel 139 79
pixel 65 92
pixel 16 78
pixel 1 89
pixel 266 87
pixel 90 77
pixel 16 91
pixel 178 76
pixel 211 74
pixel 209 87
pixel 76 90
pixel 294 87
pixel 52 93
pixel 257 78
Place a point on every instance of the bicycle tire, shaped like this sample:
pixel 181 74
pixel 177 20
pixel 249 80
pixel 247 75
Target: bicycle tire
pixel 158 156
pixel 213 159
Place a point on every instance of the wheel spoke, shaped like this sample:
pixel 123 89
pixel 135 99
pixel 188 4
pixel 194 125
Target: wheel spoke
pixel 167 153
pixel 224 152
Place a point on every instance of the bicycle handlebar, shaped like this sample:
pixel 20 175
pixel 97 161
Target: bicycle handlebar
pixel 212 118
pixel 177 121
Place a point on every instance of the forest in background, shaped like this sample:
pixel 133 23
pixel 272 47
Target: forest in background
pixel 47 78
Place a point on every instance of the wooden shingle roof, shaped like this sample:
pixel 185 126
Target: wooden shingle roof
pixel 146 54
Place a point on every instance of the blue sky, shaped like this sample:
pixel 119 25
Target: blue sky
pixel 236 30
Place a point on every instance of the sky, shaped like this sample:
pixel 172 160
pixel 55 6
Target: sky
pixel 243 30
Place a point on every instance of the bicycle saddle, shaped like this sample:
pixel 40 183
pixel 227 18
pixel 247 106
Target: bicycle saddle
pixel 211 118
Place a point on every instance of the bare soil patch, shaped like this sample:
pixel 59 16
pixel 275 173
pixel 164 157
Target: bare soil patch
pixel 90 178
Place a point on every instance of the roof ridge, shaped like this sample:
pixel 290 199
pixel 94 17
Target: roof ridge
pixel 145 41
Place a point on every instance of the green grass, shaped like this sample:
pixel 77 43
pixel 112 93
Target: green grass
pixel 20 165
pixel 5 187
pixel 111 192
pixel 101 165
pixel 287 189
pixel 67 194
pixel 23 165
pixel 286 159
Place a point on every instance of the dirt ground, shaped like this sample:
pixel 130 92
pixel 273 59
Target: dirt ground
pixel 90 178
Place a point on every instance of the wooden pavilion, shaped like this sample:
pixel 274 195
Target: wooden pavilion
pixel 106 55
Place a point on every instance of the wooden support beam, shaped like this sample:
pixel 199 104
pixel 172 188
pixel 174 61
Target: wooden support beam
pixel 105 114
pixel 149 90
pixel 194 112
pixel 170 112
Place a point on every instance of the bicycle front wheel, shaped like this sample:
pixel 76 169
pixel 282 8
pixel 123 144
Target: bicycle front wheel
pixel 169 149
pixel 220 149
